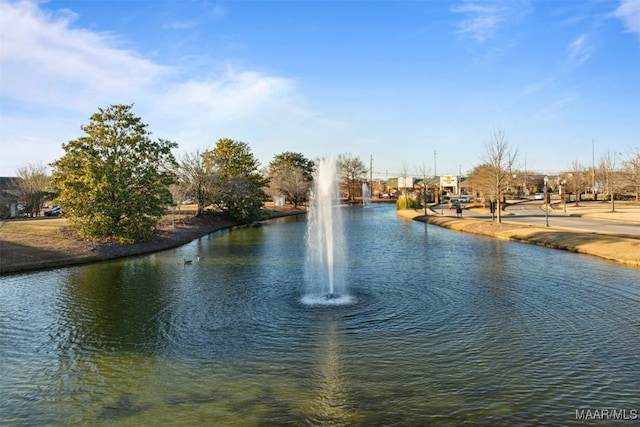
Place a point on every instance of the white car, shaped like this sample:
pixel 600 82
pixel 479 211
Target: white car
pixel 538 196
pixel 55 211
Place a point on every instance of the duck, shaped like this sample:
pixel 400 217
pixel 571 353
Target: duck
pixel 200 258
pixel 187 261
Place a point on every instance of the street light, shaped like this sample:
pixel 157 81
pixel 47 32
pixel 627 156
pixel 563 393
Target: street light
pixel 546 209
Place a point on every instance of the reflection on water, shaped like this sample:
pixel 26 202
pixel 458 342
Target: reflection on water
pixel 331 402
pixel 442 328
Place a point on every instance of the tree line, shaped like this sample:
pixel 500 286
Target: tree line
pixel 499 175
pixel 116 183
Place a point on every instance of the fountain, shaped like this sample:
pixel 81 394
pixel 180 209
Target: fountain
pixel 366 195
pixel 325 259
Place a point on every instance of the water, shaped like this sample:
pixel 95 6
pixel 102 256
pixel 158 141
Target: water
pixel 444 328
pixel 326 258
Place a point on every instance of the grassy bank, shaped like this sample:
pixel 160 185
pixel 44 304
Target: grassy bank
pixel 39 243
pixel 622 250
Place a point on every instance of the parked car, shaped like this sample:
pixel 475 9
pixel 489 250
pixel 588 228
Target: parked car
pixel 465 199
pixel 538 196
pixel 54 211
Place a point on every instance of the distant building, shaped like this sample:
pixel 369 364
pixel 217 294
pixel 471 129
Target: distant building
pixel 9 197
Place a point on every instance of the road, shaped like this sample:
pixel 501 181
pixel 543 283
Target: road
pixel 532 213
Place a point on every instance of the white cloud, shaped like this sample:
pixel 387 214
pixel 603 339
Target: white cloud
pixel 629 13
pixel 536 87
pixel 232 95
pixel 579 50
pixel 55 76
pixel 45 61
pixel 484 18
pixel 179 25
pixel 554 110
pixel 218 11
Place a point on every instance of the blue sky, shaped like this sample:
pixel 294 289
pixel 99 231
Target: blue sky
pixel 392 80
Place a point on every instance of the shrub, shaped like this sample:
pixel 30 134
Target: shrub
pixel 406 203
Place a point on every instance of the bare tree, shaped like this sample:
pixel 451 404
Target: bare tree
pixel 608 172
pixel 577 179
pixel 353 172
pixel 33 185
pixel 194 179
pixel 500 160
pixel 289 181
pixel 481 178
pixel 631 171
pixel 424 172
pixel 291 176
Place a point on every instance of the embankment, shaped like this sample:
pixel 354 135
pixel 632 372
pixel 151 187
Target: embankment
pixel 618 249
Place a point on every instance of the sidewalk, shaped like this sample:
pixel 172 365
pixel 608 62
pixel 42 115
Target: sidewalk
pixel 625 211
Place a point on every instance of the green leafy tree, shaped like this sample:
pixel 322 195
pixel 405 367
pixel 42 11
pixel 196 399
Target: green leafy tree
pixel 297 160
pixel 113 182
pixel 238 185
pixel 291 176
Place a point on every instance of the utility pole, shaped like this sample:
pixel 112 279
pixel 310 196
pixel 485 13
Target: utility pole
pixel 371 175
pixel 524 184
pixel 593 165
pixel 435 173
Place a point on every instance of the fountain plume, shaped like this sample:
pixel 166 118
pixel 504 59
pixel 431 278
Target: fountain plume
pixel 366 195
pixel 325 241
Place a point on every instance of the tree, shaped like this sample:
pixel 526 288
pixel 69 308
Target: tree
pixel 609 174
pixel 631 171
pixel 424 172
pixel 195 180
pixel 113 182
pixel 33 186
pixel 291 176
pixel 577 179
pixel 481 178
pixel 405 182
pixel 297 160
pixel 352 172
pixel 238 185
pixel 499 159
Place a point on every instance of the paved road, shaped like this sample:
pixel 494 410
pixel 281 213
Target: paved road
pixel 532 212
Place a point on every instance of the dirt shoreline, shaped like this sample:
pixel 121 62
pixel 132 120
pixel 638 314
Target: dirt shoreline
pixel 622 250
pixel 26 245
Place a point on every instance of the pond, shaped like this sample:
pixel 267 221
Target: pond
pixel 440 328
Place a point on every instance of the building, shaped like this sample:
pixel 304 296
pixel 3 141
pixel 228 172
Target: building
pixel 9 197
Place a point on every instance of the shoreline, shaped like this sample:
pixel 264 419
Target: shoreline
pixel 622 250
pixel 16 257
